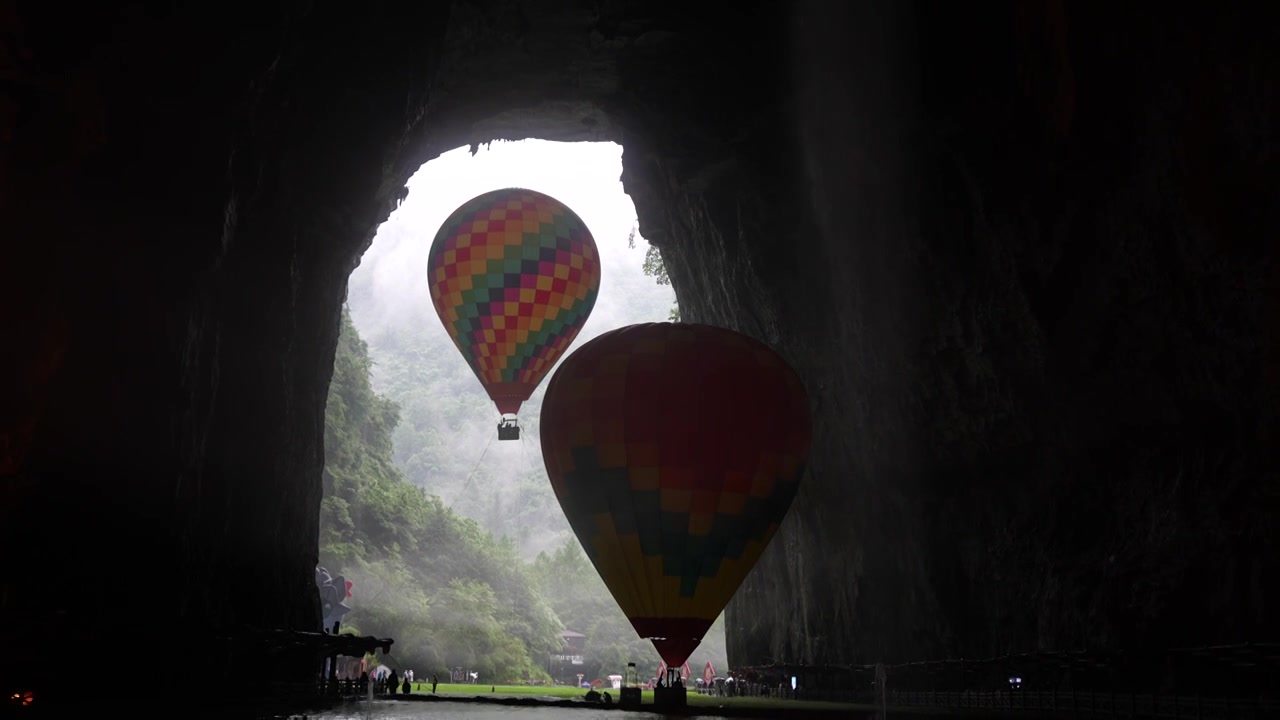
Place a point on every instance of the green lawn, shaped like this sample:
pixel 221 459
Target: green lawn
pixel 560 691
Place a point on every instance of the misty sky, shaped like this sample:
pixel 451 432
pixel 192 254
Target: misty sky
pixel 390 297
pixel 584 176
pixel 391 307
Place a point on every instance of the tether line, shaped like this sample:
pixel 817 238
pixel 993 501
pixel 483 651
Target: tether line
pixel 466 483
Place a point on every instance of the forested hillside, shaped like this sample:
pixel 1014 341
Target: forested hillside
pixel 446 439
pixel 446 588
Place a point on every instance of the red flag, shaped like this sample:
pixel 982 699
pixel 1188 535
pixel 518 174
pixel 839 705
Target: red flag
pixel 348 588
pixel 685 672
pixel 708 673
pixel 662 670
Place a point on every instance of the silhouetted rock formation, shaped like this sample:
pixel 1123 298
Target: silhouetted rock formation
pixel 1025 261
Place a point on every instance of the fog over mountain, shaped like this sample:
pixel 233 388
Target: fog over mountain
pixel 445 441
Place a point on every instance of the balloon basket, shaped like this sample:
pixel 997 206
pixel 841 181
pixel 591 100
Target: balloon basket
pixel 670 698
pixel 508 430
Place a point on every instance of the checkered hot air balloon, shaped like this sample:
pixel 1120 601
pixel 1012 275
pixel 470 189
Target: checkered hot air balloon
pixel 675 450
pixel 513 275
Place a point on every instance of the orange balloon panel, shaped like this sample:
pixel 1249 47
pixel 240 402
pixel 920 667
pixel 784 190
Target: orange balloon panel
pixel 675 451
pixel 514 276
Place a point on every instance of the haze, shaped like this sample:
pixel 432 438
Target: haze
pixel 390 304
pixel 445 441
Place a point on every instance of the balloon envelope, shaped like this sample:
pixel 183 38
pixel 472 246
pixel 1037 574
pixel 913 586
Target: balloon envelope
pixel 675 450
pixel 514 275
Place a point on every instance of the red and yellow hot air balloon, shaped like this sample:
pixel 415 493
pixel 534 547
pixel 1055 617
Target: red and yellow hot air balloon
pixel 514 275
pixel 675 450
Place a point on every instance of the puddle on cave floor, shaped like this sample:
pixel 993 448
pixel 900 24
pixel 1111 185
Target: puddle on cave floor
pixel 392 710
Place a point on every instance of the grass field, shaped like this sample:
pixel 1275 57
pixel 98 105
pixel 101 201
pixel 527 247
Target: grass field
pixel 559 691
pixel 565 692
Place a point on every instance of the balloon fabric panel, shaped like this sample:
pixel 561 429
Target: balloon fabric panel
pixel 514 275
pixel 675 451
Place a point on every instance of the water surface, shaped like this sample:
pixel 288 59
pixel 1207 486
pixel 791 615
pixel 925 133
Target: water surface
pixel 444 710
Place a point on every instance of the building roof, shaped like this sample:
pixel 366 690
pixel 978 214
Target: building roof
pixel 570 633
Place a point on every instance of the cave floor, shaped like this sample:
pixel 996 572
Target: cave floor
pixel 531 707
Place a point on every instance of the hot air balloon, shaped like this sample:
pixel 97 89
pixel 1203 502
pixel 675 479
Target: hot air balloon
pixel 675 451
pixel 514 275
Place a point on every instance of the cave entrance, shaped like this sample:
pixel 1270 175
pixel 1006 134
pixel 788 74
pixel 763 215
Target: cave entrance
pixel 444 441
pixel 418 489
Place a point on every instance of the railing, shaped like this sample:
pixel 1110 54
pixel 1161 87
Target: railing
pixel 1071 703
pixel 1237 681
pixel 1066 703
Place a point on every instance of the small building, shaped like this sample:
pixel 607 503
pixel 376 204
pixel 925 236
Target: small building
pixel 565 666
pixel 575 643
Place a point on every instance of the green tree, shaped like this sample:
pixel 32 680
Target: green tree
pixel 472 635
pixel 655 268
pixel 449 592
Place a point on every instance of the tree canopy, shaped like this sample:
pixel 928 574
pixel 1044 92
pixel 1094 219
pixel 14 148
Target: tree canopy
pixel 451 592
pixel 655 268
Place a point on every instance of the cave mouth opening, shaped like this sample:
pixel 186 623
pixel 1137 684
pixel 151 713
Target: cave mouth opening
pixel 389 295
pixel 410 437
pixel 389 303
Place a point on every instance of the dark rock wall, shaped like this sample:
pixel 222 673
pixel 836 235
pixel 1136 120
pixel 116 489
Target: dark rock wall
pixel 1023 261
pixel 1033 299
pixel 185 194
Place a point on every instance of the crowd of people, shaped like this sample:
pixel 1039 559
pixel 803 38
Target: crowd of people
pixel 384 681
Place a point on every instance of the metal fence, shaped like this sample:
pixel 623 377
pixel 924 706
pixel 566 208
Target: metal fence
pixel 1235 681
pixel 1070 704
